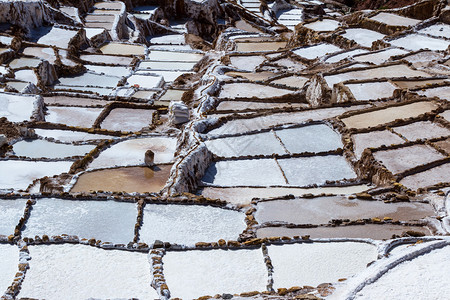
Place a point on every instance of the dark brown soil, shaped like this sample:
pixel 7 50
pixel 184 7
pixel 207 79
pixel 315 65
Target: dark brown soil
pixel 8 129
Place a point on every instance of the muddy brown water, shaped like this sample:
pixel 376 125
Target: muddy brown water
pixel 241 24
pixel 127 179
pixel 389 114
pixel 407 84
pixel 321 210
pixel 428 178
pixel 243 196
pixel 444 145
pixel 259 46
pixel 74 101
pixel 376 232
pixel 402 159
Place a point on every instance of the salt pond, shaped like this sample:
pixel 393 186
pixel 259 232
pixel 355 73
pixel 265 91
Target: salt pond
pixel 24 62
pixel 428 178
pixel 126 119
pixel 246 125
pixel 374 139
pixel 131 152
pixel 347 54
pixel 20 174
pixel 303 171
pixel 27 76
pixel 379 57
pixel 320 138
pixel 402 159
pixel 74 101
pixel 316 263
pixel 321 210
pixel 363 37
pixel 94 273
pixel 17 108
pixel 371 90
pixel 249 90
pixel 430 278
pixel 108 221
pixel 67 136
pixel 73 116
pixel 189 224
pixel 146 81
pixel 259 47
pixel 126 179
pixel 54 36
pixel 437 30
pixel 193 274
pixel 292 81
pixel 89 79
pixel 46 149
pixel 389 114
pixel 158 55
pixel 244 195
pixel 367 231
pixel 324 25
pixel 422 130
pixel 8 265
pixel 313 138
pixel 244 173
pixel 247 63
pixel 379 72
pixel 123 49
pixel 256 144
pixel 316 51
pixel 10 213
pixel 159 65
pixel 415 42
pixel 107 59
pixel 442 92
pixel 394 20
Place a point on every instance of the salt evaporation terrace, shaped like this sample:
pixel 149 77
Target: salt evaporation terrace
pixel 223 149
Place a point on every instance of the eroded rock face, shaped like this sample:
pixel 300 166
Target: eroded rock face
pixel 189 170
pixel 3 140
pixel 25 14
pixel 178 113
pixel 46 73
pixel 149 158
pixel 317 92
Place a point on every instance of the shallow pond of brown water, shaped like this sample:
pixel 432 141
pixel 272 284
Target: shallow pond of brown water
pixel 128 179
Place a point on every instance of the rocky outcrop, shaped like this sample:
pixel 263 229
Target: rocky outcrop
pixel 189 170
pixel 7 55
pixel 30 88
pixel 178 113
pixel 342 94
pixel 317 92
pixel 445 15
pixel 202 16
pixel 98 39
pixel 3 140
pixel 28 14
pixel 38 109
pixel 149 158
pixel 46 73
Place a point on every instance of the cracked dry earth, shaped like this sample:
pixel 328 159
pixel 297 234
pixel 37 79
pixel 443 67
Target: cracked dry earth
pixel 224 149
